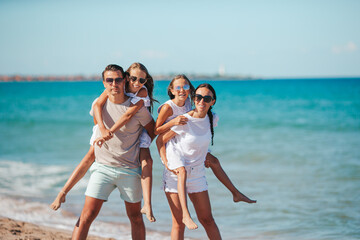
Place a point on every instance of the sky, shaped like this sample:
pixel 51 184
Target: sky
pixel 260 38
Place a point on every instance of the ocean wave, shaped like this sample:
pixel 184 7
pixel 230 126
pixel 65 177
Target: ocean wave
pixel 41 214
pixel 30 179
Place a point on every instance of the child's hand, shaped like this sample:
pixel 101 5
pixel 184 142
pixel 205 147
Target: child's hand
pixel 106 134
pixel 180 120
pixel 174 171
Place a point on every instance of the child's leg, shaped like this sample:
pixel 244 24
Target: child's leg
pixel 146 182
pixel 76 175
pixel 214 164
pixel 187 220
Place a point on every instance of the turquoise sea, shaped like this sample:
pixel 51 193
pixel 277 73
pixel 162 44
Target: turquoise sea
pixel 293 145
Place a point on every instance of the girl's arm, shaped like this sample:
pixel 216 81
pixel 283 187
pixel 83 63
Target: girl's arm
pixel 98 106
pixel 160 143
pixel 165 113
pixel 132 110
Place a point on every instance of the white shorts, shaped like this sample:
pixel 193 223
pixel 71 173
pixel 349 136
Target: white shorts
pixel 95 134
pixel 195 181
pixel 145 139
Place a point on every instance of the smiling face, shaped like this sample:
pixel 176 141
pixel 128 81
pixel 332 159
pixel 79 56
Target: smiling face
pixel 201 97
pixel 178 89
pixel 136 77
pixel 115 86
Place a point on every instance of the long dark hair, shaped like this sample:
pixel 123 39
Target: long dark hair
pixel 149 81
pixel 180 76
pixel 209 113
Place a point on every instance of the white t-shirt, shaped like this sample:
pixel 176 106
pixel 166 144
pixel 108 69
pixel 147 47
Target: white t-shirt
pixel 190 146
pixel 176 109
pixel 135 98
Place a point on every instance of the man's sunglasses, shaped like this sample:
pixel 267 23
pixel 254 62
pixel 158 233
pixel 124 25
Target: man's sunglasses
pixel 141 80
pixel 111 80
pixel 185 87
pixel 206 98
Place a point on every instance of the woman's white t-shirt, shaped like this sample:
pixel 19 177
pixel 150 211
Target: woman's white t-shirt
pixel 190 146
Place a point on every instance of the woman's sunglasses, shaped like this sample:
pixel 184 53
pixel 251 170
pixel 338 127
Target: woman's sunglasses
pixel 111 80
pixel 141 80
pixel 206 98
pixel 185 87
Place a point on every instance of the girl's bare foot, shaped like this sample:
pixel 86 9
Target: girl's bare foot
pixel 189 223
pixel 239 197
pixel 58 200
pixel 148 212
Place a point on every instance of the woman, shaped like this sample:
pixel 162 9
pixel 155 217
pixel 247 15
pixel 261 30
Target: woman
pixel 189 148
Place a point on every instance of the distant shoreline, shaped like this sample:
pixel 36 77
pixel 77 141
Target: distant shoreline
pixel 95 78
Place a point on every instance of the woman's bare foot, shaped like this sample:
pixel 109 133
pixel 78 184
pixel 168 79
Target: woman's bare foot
pixel 239 197
pixel 58 200
pixel 189 223
pixel 148 212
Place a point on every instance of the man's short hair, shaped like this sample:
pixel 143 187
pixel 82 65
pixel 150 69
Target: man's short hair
pixel 114 68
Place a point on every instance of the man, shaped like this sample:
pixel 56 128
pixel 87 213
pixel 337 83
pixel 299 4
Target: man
pixel 117 162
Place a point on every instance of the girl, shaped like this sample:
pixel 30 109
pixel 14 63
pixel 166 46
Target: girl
pixel 170 114
pixel 139 87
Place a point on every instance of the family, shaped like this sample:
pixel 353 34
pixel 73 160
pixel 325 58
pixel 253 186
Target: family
pixel 119 155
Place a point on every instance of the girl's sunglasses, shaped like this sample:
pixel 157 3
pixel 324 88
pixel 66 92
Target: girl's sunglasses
pixel 141 80
pixel 185 87
pixel 206 98
pixel 111 80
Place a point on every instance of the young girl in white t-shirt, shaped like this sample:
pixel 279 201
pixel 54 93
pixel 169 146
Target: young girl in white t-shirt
pixel 171 114
pixel 139 87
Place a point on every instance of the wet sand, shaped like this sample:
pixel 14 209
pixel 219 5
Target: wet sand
pixel 13 230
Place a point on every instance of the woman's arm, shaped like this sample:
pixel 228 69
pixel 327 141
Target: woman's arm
pixel 165 113
pixel 98 106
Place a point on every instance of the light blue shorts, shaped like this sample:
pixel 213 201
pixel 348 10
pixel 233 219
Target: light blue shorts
pixel 104 179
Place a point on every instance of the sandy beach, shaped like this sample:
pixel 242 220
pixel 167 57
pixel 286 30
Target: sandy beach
pixel 11 229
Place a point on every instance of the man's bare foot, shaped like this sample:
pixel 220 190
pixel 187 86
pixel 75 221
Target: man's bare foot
pixel 58 200
pixel 148 212
pixel 239 197
pixel 189 223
